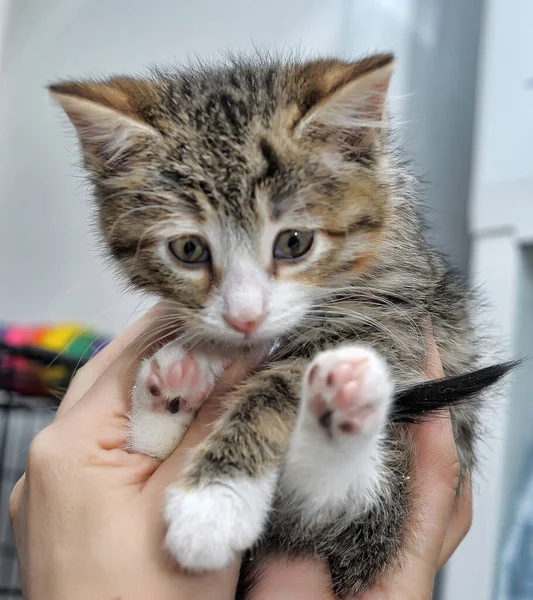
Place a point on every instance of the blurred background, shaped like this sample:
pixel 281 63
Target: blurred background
pixel 463 93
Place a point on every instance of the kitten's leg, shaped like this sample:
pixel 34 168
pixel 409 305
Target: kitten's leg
pixel 344 486
pixel 335 454
pixel 219 506
pixel 170 387
pixel 374 542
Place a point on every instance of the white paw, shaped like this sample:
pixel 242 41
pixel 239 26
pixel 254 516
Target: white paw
pixel 348 391
pixel 177 377
pixel 170 387
pixel 210 526
pixel 156 433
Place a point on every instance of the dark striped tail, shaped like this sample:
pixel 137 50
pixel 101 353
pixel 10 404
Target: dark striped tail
pixel 420 401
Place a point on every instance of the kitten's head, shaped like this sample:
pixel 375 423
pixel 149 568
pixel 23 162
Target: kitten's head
pixel 244 192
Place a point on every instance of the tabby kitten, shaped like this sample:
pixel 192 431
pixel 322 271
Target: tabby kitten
pixel 265 199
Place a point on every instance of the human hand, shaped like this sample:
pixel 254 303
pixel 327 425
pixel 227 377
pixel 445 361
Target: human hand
pixel 87 515
pixel 440 520
pixel 83 542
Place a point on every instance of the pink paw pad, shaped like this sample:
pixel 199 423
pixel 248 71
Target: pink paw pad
pixel 177 389
pixel 154 383
pixel 182 374
pixel 335 396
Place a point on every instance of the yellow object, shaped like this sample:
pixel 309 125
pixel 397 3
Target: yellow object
pixel 57 338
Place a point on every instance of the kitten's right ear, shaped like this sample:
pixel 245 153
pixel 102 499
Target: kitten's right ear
pixel 110 117
pixel 345 100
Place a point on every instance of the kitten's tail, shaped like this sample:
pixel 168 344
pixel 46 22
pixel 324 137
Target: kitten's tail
pixel 418 402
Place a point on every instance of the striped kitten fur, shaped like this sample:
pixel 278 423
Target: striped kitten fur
pixel 266 201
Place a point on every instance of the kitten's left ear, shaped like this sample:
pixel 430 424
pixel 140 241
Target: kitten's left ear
pixel 348 98
pixel 111 116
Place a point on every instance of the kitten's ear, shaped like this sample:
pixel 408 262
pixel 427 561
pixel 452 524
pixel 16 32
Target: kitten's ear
pixel 347 98
pixel 110 117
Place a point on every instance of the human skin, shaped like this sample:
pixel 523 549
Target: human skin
pixel 87 514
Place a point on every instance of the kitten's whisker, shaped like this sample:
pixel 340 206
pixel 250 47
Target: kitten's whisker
pixel 146 335
pixel 186 339
pixel 369 321
pixel 82 357
pixel 148 341
pixel 133 312
pixel 154 227
pixel 356 293
pixel 169 198
pixel 79 333
pixel 372 300
pixel 131 211
pixel 360 289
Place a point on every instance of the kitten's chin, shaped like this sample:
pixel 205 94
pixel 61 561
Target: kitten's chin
pixel 244 343
pixel 239 343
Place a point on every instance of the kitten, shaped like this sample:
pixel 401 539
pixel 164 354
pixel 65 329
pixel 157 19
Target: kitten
pixel 266 200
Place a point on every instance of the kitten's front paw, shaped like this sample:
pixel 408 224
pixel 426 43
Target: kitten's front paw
pixel 156 433
pixel 170 387
pixel 177 377
pixel 208 527
pixel 349 391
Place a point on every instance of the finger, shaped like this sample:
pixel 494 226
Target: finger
pixel 15 500
pixel 304 579
pixel 436 478
pixel 459 525
pixel 18 502
pixel 107 398
pixel 462 510
pixel 200 428
pixel 432 367
pixel 125 347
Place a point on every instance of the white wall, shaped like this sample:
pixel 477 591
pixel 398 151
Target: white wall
pixel 501 222
pixel 503 158
pixel 48 266
pixel 505 119
pixel 4 18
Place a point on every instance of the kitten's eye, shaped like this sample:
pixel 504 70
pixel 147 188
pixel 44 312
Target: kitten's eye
pixel 293 244
pixel 190 249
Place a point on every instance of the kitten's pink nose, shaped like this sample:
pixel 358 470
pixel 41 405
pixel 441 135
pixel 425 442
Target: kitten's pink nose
pixel 243 323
